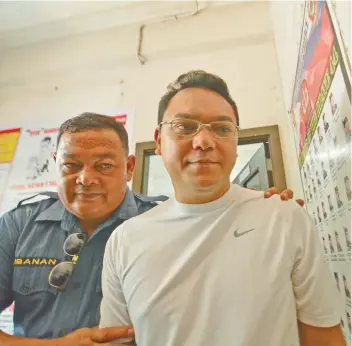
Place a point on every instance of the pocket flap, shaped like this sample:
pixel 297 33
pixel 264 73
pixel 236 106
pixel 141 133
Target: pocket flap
pixel 31 279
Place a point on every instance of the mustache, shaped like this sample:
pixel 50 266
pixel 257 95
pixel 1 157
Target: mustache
pixel 87 192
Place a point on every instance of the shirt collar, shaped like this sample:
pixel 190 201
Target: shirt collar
pixel 57 212
pixel 54 213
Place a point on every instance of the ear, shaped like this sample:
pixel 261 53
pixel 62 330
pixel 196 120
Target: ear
pixel 157 139
pixel 131 164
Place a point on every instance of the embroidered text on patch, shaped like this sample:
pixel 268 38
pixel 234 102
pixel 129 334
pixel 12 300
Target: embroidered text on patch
pixel 35 261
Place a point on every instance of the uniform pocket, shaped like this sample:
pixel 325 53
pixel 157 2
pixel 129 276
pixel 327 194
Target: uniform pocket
pixel 31 280
pixel 33 295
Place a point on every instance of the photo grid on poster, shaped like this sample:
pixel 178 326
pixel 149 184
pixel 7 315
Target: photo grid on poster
pixel 321 116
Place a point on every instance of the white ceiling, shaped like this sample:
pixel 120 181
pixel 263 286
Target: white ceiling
pixel 30 22
pixel 16 15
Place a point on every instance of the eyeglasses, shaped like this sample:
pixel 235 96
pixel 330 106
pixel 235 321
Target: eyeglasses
pixel 190 127
pixel 61 273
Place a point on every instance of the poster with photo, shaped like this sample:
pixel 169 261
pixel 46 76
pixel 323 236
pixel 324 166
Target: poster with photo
pixel 321 117
pixel 33 169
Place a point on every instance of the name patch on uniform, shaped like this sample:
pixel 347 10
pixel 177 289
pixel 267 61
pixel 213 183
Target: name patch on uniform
pixel 35 261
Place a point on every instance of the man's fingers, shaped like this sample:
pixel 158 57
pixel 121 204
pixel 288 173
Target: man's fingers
pixel 300 202
pixel 286 194
pixel 272 191
pixel 112 333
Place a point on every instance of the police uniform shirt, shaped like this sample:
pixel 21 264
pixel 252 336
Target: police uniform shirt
pixel 31 244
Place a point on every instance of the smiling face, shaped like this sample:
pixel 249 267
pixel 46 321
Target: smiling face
pixel 198 165
pixel 93 169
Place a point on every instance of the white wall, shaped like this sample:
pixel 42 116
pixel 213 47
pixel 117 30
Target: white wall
pixel 287 19
pixel 100 71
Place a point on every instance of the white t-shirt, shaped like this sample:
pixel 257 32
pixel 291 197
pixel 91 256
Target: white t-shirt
pixel 237 271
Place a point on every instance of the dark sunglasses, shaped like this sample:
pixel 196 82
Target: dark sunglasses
pixel 61 273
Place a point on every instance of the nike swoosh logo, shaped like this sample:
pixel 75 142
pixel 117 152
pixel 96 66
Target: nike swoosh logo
pixel 238 234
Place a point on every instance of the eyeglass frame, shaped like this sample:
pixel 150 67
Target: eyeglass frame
pixel 73 262
pixel 200 125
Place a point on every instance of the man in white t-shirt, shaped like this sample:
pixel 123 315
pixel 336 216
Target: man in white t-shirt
pixel 218 264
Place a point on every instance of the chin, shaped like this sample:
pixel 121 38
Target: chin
pixel 205 183
pixel 209 182
pixel 88 213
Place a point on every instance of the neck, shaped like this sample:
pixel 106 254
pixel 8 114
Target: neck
pixel 200 195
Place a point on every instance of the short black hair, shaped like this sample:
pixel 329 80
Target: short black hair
pixel 196 79
pixel 88 121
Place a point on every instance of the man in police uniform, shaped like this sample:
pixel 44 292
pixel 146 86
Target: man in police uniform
pixel 42 243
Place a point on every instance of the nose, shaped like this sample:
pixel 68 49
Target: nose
pixel 204 140
pixel 87 177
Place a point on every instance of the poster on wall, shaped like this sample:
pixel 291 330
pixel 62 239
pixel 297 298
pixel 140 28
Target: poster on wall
pixel 127 119
pixel 8 143
pixel 33 169
pixel 321 118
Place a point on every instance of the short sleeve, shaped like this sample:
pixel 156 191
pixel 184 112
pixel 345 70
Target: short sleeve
pixel 113 309
pixel 8 238
pixel 318 301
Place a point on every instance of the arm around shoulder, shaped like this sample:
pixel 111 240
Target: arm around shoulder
pixel 11 340
pixel 80 337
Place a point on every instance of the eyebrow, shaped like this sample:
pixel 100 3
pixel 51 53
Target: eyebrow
pixel 69 156
pixel 190 116
pixel 100 156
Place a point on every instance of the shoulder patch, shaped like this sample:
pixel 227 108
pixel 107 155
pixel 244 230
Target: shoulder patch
pixel 37 198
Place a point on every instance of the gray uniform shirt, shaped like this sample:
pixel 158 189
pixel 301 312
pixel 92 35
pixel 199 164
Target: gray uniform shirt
pixel 31 243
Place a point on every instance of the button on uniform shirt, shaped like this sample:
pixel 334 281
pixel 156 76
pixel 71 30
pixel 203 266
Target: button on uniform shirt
pixel 31 244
